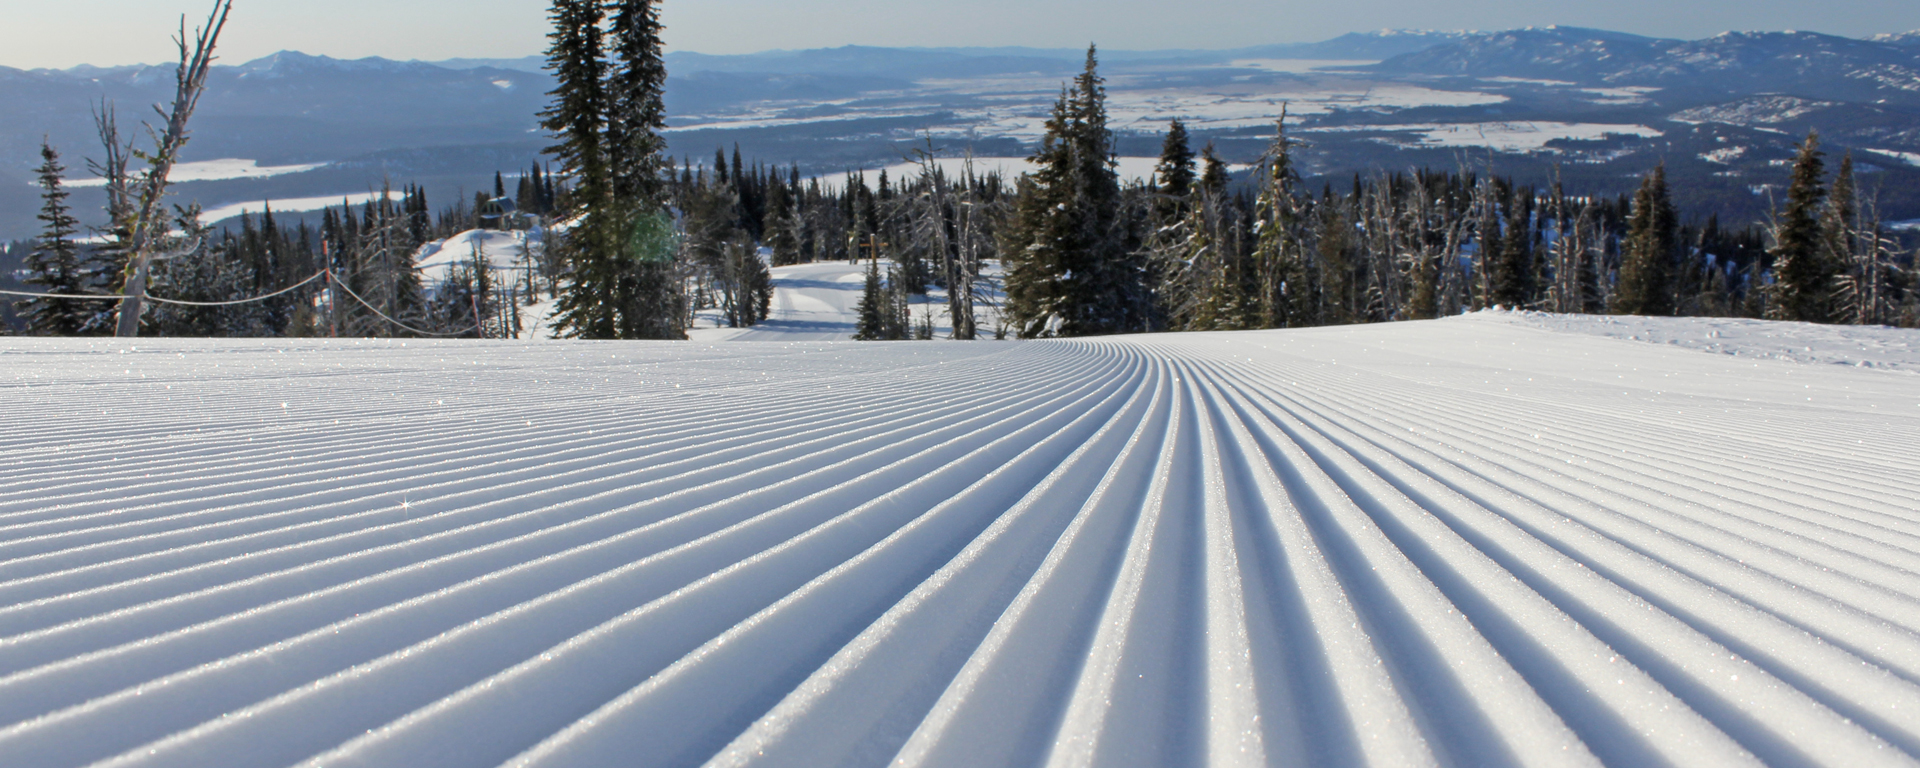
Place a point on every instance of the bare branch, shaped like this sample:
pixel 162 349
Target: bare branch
pixel 146 213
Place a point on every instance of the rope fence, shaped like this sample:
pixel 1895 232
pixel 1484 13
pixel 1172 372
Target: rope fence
pixel 376 310
pixel 335 282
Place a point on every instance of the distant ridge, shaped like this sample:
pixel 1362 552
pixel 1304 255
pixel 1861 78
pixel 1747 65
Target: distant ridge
pixel 1538 50
pixel 1881 69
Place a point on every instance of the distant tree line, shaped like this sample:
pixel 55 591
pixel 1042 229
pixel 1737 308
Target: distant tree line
pixel 1188 251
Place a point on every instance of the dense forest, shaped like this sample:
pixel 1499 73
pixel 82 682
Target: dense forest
pixel 626 243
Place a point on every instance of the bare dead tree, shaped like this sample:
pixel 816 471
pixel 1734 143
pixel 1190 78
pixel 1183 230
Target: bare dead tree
pixel 145 224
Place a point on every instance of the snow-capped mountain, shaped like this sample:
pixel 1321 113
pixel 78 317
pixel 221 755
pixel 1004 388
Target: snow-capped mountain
pixel 1884 69
pixel 1911 39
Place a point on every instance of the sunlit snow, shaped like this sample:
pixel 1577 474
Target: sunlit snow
pixel 216 170
pixel 1490 540
pixel 1522 136
pixel 301 204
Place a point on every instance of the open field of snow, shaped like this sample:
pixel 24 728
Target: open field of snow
pixel 1017 106
pixel 503 251
pixel 1524 136
pixel 1471 542
pixel 303 204
pixel 216 170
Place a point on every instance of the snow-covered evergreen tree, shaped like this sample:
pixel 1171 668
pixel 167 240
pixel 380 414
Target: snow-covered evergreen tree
pixel 1288 293
pixel 1070 271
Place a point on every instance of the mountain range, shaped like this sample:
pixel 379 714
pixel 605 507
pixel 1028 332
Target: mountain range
pixel 1721 111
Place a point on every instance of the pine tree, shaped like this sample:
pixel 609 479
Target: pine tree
pixel 781 228
pixel 54 266
pixel 1215 177
pixel 1175 173
pixel 646 293
pixel 1646 261
pixel 872 307
pixel 578 118
pixel 1513 269
pixel 1803 273
pixel 608 114
pixel 1070 272
pixel 209 272
pixel 636 89
pixel 1289 291
pixel 1840 240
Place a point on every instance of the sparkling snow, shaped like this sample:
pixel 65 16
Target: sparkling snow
pixel 1494 540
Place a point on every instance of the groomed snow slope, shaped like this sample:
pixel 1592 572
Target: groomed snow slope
pixel 1449 543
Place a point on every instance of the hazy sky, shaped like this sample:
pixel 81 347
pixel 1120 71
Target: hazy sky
pixel 62 33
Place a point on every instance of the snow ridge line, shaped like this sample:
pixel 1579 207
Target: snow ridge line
pixel 1333 547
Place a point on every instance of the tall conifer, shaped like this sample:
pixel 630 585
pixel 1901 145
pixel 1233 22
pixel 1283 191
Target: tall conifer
pixel 54 265
pixel 577 118
pixel 1070 273
pixel 1646 260
pixel 608 113
pixel 1803 275
pixel 1289 291
pixel 1175 173
pixel 647 293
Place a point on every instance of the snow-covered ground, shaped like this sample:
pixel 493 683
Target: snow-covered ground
pixel 1129 169
pixel 1852 345
pixel 216 170
pixel 819 302
pixel 1016 106
pixel 504 251
pixel 1524 136
pixel 1486 541
pixel 301 205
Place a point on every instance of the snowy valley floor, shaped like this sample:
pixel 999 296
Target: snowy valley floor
pixel 1485 541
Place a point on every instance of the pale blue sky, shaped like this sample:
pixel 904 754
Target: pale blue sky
pixel 62 33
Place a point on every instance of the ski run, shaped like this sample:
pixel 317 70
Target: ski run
pixel 1493 540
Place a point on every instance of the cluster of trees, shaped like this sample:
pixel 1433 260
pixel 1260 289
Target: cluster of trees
pixel 1189 251
pixel 1428 244
pixel 937 228
pixel 369 251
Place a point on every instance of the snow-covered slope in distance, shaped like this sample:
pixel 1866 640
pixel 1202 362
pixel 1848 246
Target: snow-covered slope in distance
pixel 1445 543
pixel 821 301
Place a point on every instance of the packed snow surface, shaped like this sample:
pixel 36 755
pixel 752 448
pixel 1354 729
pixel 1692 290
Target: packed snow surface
pixel 1854 345
pixel 1476 541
